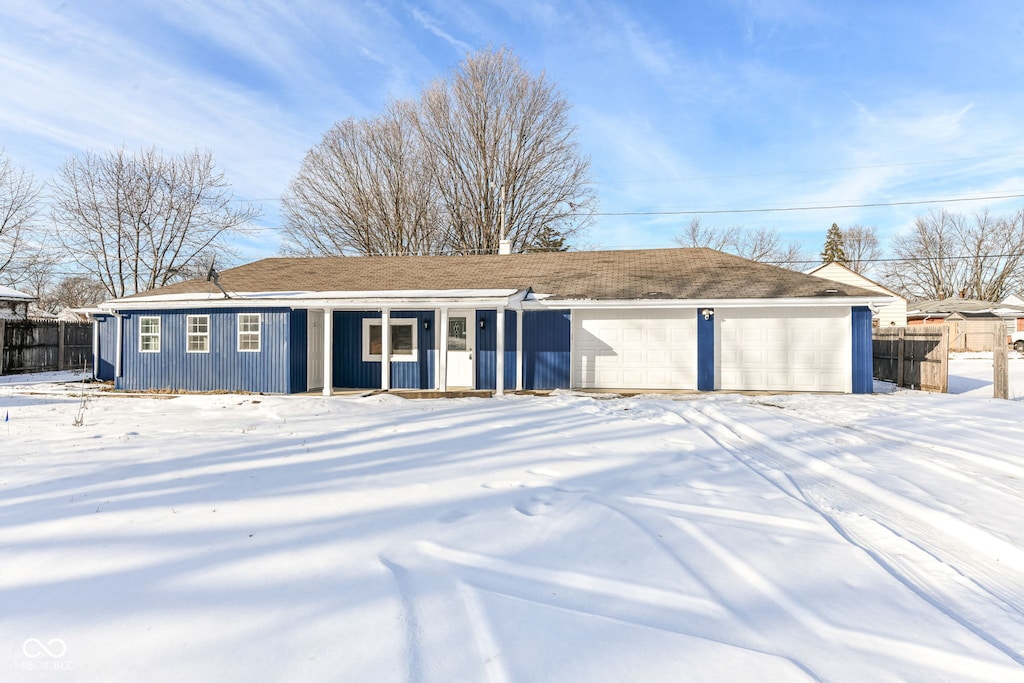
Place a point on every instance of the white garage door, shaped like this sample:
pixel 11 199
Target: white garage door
pixel 654 349
pixel 784 349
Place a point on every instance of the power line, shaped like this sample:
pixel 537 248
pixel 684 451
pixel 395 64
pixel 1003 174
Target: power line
pixel 689 212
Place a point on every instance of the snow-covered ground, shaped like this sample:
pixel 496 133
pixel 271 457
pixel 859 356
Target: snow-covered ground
pixel 970 374
pixel 563 538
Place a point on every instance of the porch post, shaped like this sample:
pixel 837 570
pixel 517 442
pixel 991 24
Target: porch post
pixel 95 347
pixel 499 361
pixel 328 352
pixel 442 350
pixel 519 350
pixel 385 349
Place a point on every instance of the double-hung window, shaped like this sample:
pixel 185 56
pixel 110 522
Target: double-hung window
pixel 248 331
pixel 197 334
pixel 149 334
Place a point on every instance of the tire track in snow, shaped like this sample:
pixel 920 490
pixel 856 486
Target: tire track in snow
pixel 975 568
pixel 439 610
pixel 624 601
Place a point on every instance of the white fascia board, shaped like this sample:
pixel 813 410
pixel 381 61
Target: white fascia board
pixel 794 302
pixel 425 299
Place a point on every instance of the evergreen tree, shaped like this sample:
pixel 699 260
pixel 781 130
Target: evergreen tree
pixel 548 239
pixel 834 251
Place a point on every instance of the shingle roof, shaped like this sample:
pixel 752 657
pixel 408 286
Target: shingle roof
pixel 634 274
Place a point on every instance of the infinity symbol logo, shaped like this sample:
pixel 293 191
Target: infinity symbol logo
pixel 34 648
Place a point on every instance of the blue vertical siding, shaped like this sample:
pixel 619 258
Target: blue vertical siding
pixel 705 352
pixel 547 338
pixel 863 368
pixel 510 350
pixel 106 359
pixel 222 368
pixel 418 375
pixel 297 350
pixel 486 350
pixel 352 372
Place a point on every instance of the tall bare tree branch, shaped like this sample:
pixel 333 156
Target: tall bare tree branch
pixel 139 220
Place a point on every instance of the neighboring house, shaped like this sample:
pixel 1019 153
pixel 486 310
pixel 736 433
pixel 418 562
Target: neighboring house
pixel 14 305
pixel 972 322
pixel 891 314
pixel 677 319
pixel 1011 309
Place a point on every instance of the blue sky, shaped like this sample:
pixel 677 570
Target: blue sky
pixel 683 106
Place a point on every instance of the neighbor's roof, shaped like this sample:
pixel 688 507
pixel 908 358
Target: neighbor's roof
pixel 951 305
pixel 12 294
pixel 602 275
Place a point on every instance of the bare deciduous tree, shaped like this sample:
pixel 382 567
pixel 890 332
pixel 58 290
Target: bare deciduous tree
pixel 19 204
pixel 949 254
pixel 760 244
pixel 862 248
pixel 439 175
pixel 139 220
pixel 365 189
pixel 73 291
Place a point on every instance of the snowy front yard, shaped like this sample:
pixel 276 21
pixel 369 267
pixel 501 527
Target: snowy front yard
pixel 723 538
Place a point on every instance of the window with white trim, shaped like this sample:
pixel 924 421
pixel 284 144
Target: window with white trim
pixel 248 331
pixel 149 334
pixel 403 339
pixel 197 334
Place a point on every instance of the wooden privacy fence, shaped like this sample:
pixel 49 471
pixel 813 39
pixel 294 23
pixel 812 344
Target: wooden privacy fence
pixel 915 357
pixel 41 345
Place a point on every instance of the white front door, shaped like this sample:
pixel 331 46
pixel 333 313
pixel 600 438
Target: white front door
pixel 461 341
pixel 315 350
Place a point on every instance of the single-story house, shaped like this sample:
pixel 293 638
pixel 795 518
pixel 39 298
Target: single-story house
pixel 972 322
pixel 677 319
pixel 891 314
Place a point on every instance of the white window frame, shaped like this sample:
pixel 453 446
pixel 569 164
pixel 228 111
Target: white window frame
pixel 149 335
pixel 411 357
pixel 202 338
pixel 245 320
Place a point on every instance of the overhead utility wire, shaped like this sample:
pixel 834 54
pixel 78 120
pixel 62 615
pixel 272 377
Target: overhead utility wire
pixel 805 208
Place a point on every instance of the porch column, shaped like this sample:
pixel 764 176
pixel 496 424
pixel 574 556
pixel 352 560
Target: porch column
pixel 328 355
pixel 385 349
pixel 442 350
pixel 519 350
pixel 499 350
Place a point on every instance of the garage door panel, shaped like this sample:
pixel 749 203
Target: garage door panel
pixel 784 349
pixel 654 349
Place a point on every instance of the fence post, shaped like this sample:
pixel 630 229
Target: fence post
pixel 900 345
pixel 1000 363
pixel 3 343
pixel 60 345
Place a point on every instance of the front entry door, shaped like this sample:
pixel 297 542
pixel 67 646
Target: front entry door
pixel 461 340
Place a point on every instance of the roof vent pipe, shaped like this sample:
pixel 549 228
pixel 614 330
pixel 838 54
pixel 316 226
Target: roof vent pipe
pixel 504 247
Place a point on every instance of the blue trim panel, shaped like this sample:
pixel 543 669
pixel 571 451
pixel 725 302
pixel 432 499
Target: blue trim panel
pixel 547 339
pixel 486 350
pixel 298 350
pixel 107 352
pixel 223 368
pixel 510 350
pixel 705 351
pixel 863 369
pixel 351 372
